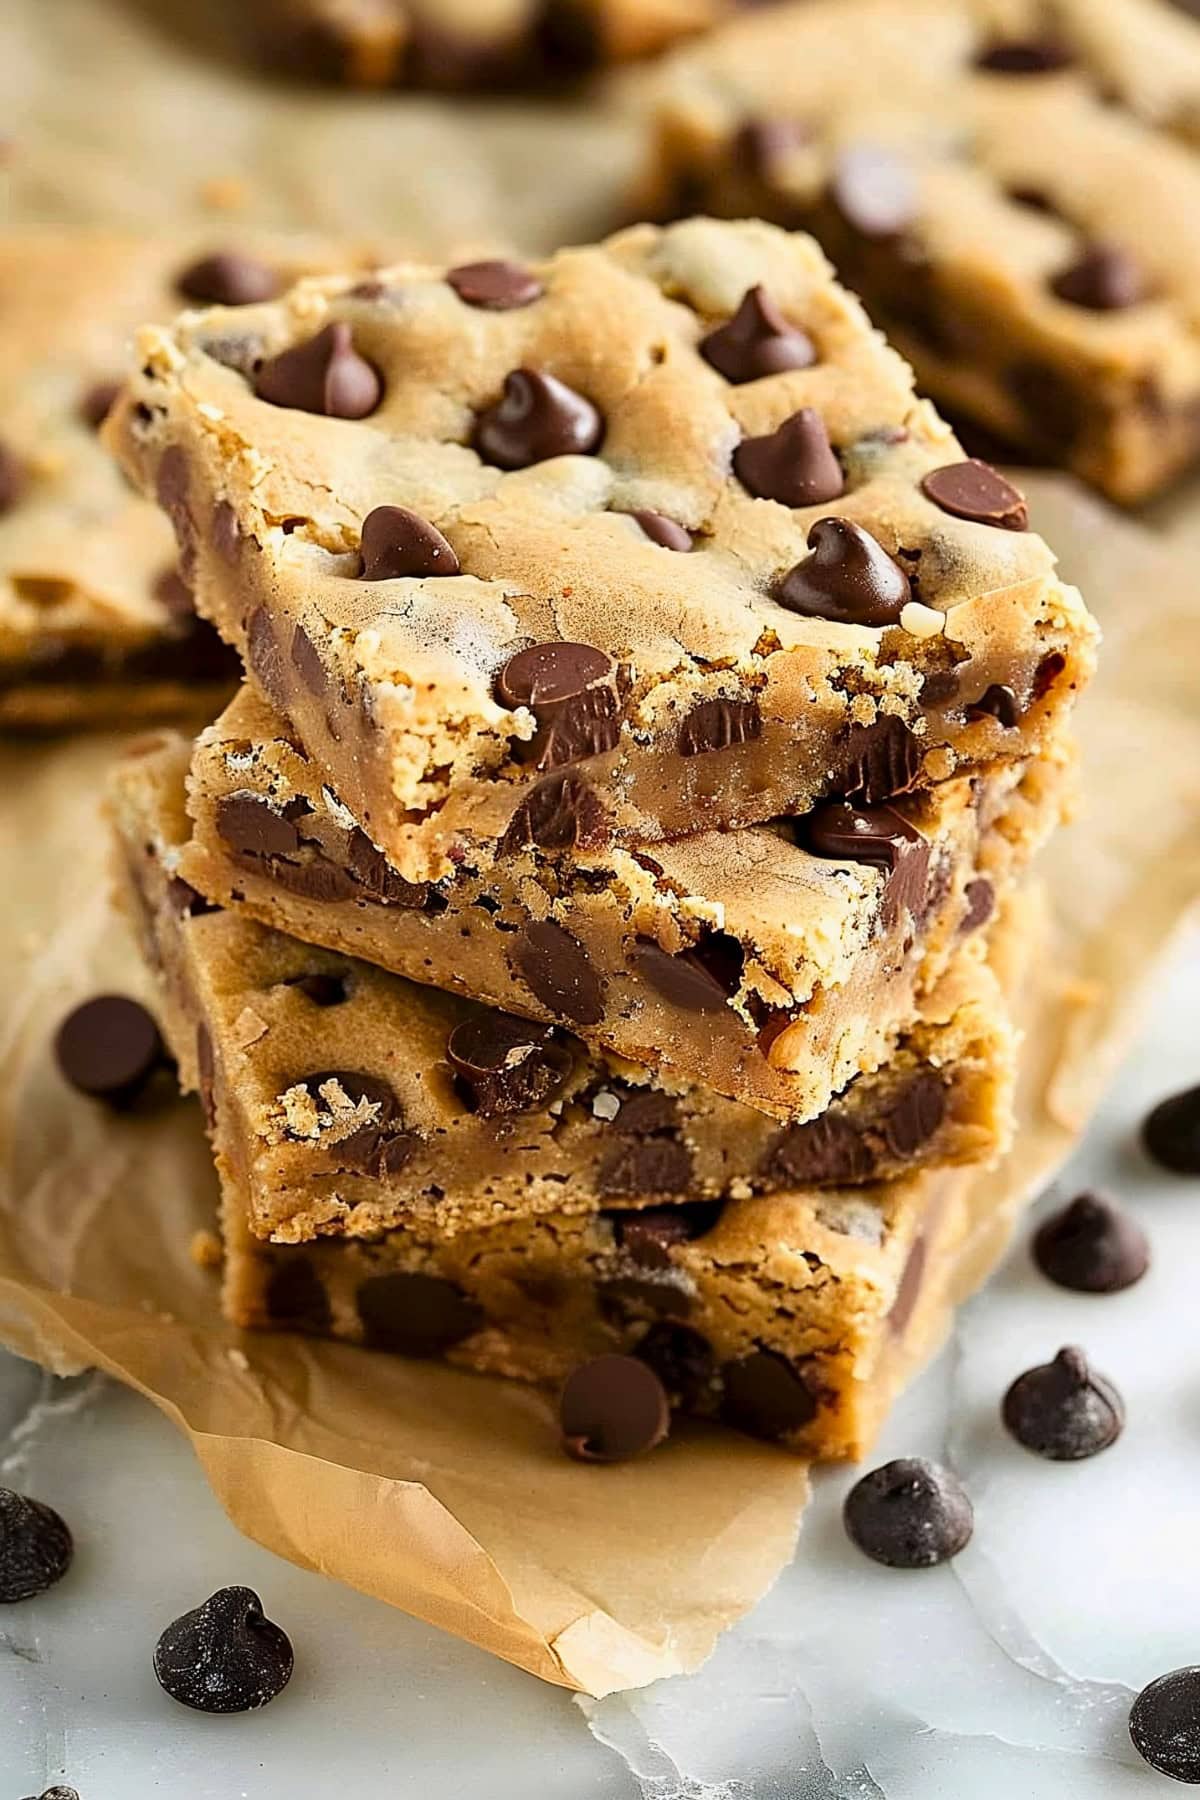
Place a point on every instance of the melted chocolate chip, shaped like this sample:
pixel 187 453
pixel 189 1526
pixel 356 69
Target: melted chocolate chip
pixel 1164 1725
pixel 648 1234
pixel 574 693
pixel 307 660
pixel 296 1296
pixel 1092 1247
pixel 35 1547
pixel 909 1514
pixel 172 483
pixel 878 835
pixel 639 1167
pixel 226 532
pixel 1104 279
pixel 824 1150
pixel 663 531
pixel 225 1656
pixel 559 972
pixel 325 374
pixel 758 340
pixel 974 490
pixel 874 191
pixel 915 1114
pixel 1063 1410
pixel 380 1146
pixel 1171 1133
pixel 251 826
pixel 265 659
pixel 611 1409
pixel 1024 56
pixel 371 870
pixel 701 979
pixel 396 542
pixel 767 1396
pixel 879 761
pixel 681 1358
pixel 537 418
pixel 228 279
pixel 497 286
pixel 416 1314
pixel 320 988
pixel 560 813
pixel 849 577
pixel 719 724
pixel 997 702
pixel 794 464
pixel 647 1111
pixel 980 897
pixel 97 402
pixel 506 1065
pixel 109 1048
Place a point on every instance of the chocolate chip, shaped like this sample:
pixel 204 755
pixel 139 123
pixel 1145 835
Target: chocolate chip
pixel 648 1234
pixel 1164 1725
pixel 623 1298
pixel 573 692
pixel 12 479
pixel 663 531
pixel 35 1547
pixel 296 1296
pixel 396 542
pixel 321 988
pixel 758 340
pixel 611 1409
pixel 307 660
pixel 909 1514
pixel 185 902
pixel 876 835
pixel 380 1146
pixel 997 702
pixel 1104 279
pixel 767 1396
pixel 819 1152
pixel 874 190
pixel 1062 1410
pixel 908 1290
pixel 561 813
pixel 251 826
pixel 415 1314
pixel 637 1167
pixel 226 532
pixel 974 490
pixel 980 897
pixel 567 38
pixel 173 593
pixel 497 286
pixel 849 577
pixel 58 1792
pixel 172 483
pixel 1046 674
pixel 681 1358
pixel 537 418
pixel 97 402
pixel 794 464
pixel 719 724
pixel 316 878
pixel 1024 56
pixel 701 979
pixel 224 1656
pixel 506 1065
pixel 371 870
pixel 879 761
pixel 264 658
pixel 644 1112
pixel 559 972
pixel 325 374
pixel 109 1048
pixel 228 279
pixel 1171 1133
pixel 760 144
pixel 915 1114
pixel 1091 1247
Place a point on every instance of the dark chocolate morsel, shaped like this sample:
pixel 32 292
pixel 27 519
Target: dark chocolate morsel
pixel 822 1150
pixel 1024 56
pixel 980 897
pixel 251 826
pixel 559 972
pixel 97 402
pixel 1062 1410
pixel 849 577
pixel 974 490
pixel 681 1358
pixel 396 542
pixel 879 761
pixel 265 660
pixel 644 1112
pixel 915 1114
pixel 323 375
pixel 225 531
pixel 560 813
pixel 878 835
pixel 700 979
pixel 767 1396
pixel 758 340
pixel 321 988
pixel 172 483
pixel 35 1547
pixel 909 1514
pixel 1164 1725
pixel 308 662
pixel 416 1314
pixel 718 725
pixel 648 1233
pixel 497 286
pixel 228 279
pixel 1104 279
pixel 108 1048
pixel 1171 1133
pixel 634 1167
pixel 997 702
pixel 225 1656
pixel 663 531
pixel 380 1146
pixel 794 464
pixel 370 869
pixel 574 693
pixel 874 190
pixel 611 1409
pixel 1092 1247
pixel 296 1296
pixel 537 417
pixel 506 1065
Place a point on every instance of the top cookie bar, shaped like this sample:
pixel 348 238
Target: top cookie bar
pixel 988 175
pixel 650 538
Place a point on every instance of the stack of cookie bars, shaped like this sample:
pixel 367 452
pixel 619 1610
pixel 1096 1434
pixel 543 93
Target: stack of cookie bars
pixel 589 928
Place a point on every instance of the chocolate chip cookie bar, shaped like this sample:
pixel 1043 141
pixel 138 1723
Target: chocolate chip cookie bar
pixel 649 539
pixel 1007 209
pixel 773 964
pixel 96 624
pixel 363 1101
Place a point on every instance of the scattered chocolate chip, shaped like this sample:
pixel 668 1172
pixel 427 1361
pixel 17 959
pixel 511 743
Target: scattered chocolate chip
pixel 497 286
pixel 611 1409
pixel 874 190
pixel 1171 1133
pixel 1024 56
pixel 849 577
pixel 559 972
pixel 681 1358
pixel 396 542
pixel 321 988
pixel 415 1314
pixel 1164 1725
pixel 380 1146
pixel 663 531
pixel 997 702
pixel 538 417
pixel 758 340
pixel 225 1656
pixel 1062 1410
pixel 760 144
pixel 648 1234
pixel 35 1547
pixel 980 897
pixel 228 279
pixel 173 593
pixel 296 1296
pixel 506 1065
pixel 635 1167
pixel 1091 1247
pixel 909 1514
pixel 97 402
pixel 701 979
pixel 974 490
pixel 794 464
pixel 879 761
pixel 1104 279
pixel 877 835
pixel 719 724
pixel 767 1396
pixel 560 813
pixel 109 1048
pixel 325 374
pixel 251 826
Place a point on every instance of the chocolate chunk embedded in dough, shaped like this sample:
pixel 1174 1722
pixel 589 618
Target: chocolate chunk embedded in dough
pixel 879 761
pixel 663 531
pixel 561 813
pixel 557 969
pixel 506 1065
pixel 251 826
pixel 380 1146
pixel 700 979
pixel 996 702
pixel 849 577
pixel 325 374
pixel 497 285
pixel 1063 1410
pixel 644 1166
pixel 296 1295
pixel 537 417
pixel 909 1514
pixel 416 1314
pixel 974 490
pixel 396 542
pixel 1105 278
pixel 758 340
pixel 681 1358
pixel 613 1408
pixel 795 464
pixel 719 724
pixel 1024 56
pixel 877 835
pixel 767 1396
pixel 228 278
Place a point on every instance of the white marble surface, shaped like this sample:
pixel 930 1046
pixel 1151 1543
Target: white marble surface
pixel 1008 1673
